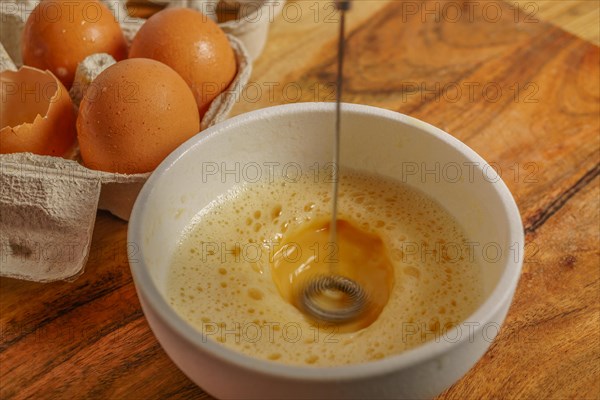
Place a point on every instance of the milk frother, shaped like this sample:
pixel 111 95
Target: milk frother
pixel 332 297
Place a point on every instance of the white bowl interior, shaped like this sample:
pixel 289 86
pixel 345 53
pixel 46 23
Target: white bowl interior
pixel 286 139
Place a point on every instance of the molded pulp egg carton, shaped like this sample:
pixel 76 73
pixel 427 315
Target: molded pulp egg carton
pixel 48 204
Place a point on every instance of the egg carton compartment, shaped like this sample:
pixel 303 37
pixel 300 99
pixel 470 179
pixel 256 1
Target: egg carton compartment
pixel 48 204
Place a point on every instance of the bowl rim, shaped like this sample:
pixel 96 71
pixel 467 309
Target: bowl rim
pixel 499 297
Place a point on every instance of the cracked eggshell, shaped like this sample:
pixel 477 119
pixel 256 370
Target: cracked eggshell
pixel 37 114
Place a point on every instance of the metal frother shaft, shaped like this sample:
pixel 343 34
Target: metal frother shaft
pixel 334 298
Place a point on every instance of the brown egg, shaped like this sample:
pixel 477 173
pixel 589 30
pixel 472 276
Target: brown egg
pixel 37 114
pixel 59 34
pixel 194 46
pixel 133 115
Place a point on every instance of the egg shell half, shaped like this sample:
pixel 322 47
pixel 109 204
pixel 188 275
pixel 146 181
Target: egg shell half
pixel 37 114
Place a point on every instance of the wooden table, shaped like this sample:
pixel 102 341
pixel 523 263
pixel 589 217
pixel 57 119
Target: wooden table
pixel 521 92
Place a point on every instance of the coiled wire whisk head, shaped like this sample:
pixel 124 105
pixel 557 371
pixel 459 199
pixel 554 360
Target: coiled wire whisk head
pixel 333 298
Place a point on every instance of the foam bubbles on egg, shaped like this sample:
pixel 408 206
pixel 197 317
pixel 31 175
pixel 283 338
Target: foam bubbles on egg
pixel 220 278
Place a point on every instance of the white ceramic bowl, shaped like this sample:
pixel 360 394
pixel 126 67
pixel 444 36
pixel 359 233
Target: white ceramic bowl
pixel 373 140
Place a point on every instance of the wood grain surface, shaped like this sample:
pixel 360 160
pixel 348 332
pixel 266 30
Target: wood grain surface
pixel 580 17
pixel 523 93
